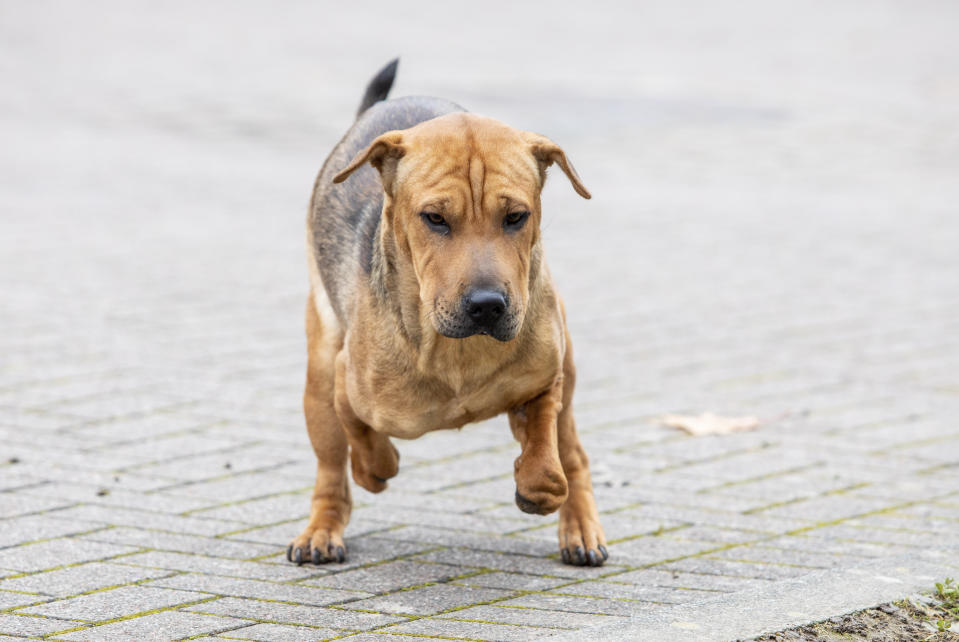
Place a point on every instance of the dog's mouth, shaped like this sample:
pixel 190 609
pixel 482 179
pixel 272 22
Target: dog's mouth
pixel 459 324
pixel 461 330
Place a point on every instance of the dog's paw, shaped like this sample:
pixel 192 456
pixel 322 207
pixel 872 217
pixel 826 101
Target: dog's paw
pixel 372 468
pixel 319 546
pixel 581 538
pixel 540 488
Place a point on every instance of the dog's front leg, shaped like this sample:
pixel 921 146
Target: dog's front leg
pixel 540 483
pixel 373 456
pixel 581 538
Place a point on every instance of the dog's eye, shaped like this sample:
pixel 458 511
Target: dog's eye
pixel 515 220
pixel 436 222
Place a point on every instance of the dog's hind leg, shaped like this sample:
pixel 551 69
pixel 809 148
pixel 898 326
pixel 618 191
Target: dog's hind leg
pixel 322 540
pixel 581 538
pixel 373 456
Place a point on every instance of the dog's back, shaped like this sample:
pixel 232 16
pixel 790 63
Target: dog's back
pixel 344 218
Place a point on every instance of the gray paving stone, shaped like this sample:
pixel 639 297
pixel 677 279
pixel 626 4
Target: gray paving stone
pixel 468 630
pixel 710 509
pixel 429 600
pixel 379 636
pixel 221 566
pixel 110 480
pixel 117 516
pixel 719 536
pixel 242 487
pixel 792 557
pixel 232 587
pixel 141 428
pixel 13 624
pixel 457 521
pixel 114 603
pixel 883 536
pixel 834 507
pixel 713 566
pixel 438 501
pixel 203 467
pixel 12 504
pixel 578 604
pixel 14 477
pixel 621 591
pixel 826 544
pixel 279 508
pixel 282 633
pixel 92 493
pixel 19 530
pixel 656 550
pixel 513 581
pixel 168 625
pixel 531 616
pixel 181 543
pixel 510 563
pixel 697 581
pixel 438 536
pixel 59 552
pixel 115 406
pixel 281 534
pixel 279 613
pixel 363 551
pixel 384 578
pixel 73 580
pixel 9 599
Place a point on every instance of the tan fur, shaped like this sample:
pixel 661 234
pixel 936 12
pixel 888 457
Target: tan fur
pixel 390 373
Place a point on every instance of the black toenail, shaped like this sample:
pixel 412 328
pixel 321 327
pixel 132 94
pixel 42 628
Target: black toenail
pixel 340 554
pixel 298 556
pixel 593 558
pixel 580 556
pixel 289 553
pixel 565 554
pixel 316 556
pixel 602 549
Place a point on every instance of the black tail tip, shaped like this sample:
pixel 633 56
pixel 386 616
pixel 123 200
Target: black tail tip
pixel 380 85
pixel 389 70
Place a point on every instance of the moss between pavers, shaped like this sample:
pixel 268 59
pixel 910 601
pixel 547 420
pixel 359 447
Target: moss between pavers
pixel 50 599
pixel 758 478
pixel 132 616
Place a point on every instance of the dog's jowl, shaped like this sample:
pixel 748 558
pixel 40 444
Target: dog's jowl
pixel 431 307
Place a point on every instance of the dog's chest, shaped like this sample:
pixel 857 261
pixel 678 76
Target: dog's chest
pixel 409 408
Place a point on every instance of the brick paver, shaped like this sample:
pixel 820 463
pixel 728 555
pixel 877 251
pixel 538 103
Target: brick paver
pixel 773 232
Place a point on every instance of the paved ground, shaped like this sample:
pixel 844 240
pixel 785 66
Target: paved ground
pixel 773 232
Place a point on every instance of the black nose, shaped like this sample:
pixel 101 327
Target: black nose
pixel 485 307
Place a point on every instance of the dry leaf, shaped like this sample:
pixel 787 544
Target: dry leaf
pixel 709 424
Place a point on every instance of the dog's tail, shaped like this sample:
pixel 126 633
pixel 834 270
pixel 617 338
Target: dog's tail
pixel 379 87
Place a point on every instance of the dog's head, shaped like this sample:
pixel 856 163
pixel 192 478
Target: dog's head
pixel 462 201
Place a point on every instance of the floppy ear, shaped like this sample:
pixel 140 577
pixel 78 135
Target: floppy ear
pixel 546 152
pixel 383 154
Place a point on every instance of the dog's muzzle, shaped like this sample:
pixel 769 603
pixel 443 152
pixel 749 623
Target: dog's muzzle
pixel 481 311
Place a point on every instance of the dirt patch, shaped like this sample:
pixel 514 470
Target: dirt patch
pixel 913 619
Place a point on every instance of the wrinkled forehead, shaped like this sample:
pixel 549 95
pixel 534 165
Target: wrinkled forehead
pixel 459 151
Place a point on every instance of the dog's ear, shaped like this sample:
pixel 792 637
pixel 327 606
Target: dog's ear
pixel 383 154
pixel 546 152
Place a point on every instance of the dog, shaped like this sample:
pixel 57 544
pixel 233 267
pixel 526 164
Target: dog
pixel 431 307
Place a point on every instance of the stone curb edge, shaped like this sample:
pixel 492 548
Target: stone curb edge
pixel 803 600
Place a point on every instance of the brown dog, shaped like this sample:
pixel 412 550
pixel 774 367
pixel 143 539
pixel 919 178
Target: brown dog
pixel 431 307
